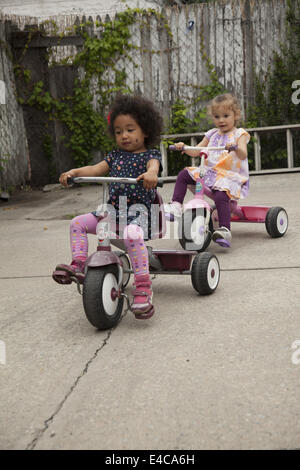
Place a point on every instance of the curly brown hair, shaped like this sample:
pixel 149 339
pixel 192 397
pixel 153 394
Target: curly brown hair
pixel 143 112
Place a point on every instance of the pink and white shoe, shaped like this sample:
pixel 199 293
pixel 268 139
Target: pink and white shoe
pixel 63 272
pixel 142 306
pixel 223 237
pixel 173 210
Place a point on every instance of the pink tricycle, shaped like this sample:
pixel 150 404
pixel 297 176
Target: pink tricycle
pixel 108 272
pixel 199 218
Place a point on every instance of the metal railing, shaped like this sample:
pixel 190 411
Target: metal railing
pixel 195 138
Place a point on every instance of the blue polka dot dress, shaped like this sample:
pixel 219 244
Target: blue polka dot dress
pixel 131 203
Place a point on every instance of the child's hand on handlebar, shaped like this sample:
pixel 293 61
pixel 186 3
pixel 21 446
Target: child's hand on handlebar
pixel 149 179
pixel 180 146
pixel 64 177
pixel 231 147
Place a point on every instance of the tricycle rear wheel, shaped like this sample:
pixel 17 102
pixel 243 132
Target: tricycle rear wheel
pixel 276 222
pixel 205 273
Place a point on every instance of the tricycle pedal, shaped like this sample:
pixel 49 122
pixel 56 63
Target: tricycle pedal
pixel 61 277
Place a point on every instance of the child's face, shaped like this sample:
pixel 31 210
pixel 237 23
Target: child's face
pixel 224 118
pixel 128 134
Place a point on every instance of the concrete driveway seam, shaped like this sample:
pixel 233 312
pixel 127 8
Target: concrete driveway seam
pixel 48 421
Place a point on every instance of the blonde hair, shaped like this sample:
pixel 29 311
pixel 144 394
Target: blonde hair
pixel 228 101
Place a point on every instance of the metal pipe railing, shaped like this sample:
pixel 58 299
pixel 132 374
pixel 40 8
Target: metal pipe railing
pixel 257 147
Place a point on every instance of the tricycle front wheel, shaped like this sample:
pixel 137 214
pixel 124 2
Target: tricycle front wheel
pixel 276 222
pixel 191 231
pixel 102 305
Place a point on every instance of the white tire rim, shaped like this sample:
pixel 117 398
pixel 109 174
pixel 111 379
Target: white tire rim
pixel 213 273
pixel 110 305
pixel 282 222
pixel 198 230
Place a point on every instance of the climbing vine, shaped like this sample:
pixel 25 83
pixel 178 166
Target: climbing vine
pixel 100 76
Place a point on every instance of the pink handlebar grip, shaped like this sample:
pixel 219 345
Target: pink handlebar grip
pixel 203 154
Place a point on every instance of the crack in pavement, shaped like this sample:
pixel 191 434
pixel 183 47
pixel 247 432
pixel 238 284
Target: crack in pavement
pixel 267 268
pixel 48 421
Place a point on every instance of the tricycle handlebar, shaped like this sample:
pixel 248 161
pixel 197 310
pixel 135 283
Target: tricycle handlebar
pixel 189 147
pixel 108 179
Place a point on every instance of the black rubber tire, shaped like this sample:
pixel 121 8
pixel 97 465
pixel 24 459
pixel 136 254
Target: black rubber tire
pixel 185 239
pixel 276 226
pixel 94 298
pixel 205 273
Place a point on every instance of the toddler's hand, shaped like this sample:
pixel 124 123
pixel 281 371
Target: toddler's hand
pixel 64 176
pixel 231 147
pixel 179 146
pixel 149 179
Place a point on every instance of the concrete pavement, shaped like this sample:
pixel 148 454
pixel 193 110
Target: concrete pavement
pixel 215 372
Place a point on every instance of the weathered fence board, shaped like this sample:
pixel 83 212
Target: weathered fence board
pixel 238 37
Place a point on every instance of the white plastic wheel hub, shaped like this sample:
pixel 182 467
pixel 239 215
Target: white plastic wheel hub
pixel 213 273
pixel 109 283
pixel 282 221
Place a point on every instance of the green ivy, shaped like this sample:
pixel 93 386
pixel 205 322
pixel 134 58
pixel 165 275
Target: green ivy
pixel 97 61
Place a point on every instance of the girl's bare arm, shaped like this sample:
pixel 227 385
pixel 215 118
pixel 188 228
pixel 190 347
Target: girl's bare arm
pixel 192 153
pixel 241 149
pixel 100 169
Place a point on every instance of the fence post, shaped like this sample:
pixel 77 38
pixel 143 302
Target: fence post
pixel 164 154
pixel 257 154
pixel 290 153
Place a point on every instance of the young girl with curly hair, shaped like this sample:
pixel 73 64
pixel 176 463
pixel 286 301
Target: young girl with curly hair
pixel 136 125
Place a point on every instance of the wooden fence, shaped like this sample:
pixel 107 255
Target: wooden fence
pixel 238 37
